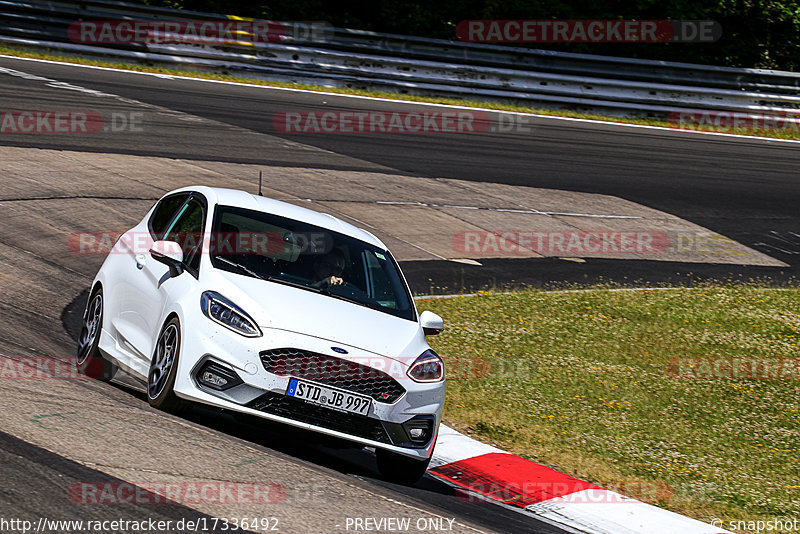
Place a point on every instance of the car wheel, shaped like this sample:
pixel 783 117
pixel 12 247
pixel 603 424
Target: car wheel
pixel 398 468
pixel 164 368
pixel 88 358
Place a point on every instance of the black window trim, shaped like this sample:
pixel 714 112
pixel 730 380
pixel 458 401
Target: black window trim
pixel 204 203
pixel 406 288
pixel 153 234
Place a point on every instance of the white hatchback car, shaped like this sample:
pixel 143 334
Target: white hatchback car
pixel 264 308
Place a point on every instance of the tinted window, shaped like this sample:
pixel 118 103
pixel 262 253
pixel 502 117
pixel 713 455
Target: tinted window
pixel 188 231
pixel 163 213
pixel 291 252
pixel 379 284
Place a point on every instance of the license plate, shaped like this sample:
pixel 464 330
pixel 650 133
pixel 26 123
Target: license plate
pixel 328 397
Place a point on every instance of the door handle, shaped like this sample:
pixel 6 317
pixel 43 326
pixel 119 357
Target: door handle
pixel 140 261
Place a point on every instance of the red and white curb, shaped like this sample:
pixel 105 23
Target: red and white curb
pixel 578 506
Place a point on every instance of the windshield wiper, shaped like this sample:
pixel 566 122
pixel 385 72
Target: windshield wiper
pixel 241 267
pixel 329 293
pixel 269 278
pixel 298 285
pixel 277 280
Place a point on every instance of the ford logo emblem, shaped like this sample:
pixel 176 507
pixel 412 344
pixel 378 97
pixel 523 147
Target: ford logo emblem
pixel 339 350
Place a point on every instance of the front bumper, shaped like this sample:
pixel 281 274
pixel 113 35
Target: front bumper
pixel 263 394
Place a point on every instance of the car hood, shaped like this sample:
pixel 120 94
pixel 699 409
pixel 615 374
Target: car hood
pixel 274 305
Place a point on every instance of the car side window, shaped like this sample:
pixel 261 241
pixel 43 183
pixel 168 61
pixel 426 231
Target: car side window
pixel 164 212
pixel 187 229
pixel 379 287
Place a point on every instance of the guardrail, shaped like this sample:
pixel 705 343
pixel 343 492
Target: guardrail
pixel 360 59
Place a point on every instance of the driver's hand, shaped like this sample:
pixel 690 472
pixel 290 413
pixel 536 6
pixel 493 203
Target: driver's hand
pixel 334 280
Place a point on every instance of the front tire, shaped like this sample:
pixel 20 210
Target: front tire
pixel 164 369
pixel 398 468
pixel 88 359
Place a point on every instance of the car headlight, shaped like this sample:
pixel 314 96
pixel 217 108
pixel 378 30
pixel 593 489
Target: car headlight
pixel 223 311
pixel 427 368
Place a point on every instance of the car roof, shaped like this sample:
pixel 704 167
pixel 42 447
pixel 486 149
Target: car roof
pixel 243 199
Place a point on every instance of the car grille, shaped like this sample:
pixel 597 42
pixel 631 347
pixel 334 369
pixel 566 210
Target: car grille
pixel 334 372
pixel 298 410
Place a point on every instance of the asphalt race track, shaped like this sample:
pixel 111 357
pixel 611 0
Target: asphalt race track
pixel 744 189
pixel 54 433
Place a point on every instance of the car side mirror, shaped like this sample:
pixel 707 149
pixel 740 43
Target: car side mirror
pixel 431 323
pixel 170 254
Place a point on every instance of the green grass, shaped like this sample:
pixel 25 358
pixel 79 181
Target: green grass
pixel 580 381
pixel 55 55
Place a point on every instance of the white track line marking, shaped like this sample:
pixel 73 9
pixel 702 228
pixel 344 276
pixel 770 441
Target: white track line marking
pixel 499 210
pixel 408 102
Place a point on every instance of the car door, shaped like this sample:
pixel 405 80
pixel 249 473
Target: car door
pixel 123 286
pixel 153 287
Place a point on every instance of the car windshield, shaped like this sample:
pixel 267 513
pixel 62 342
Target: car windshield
pixel 295 253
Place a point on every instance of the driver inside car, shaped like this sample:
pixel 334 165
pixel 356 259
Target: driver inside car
pixel 328 270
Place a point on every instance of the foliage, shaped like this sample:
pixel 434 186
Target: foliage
pixel 756 33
